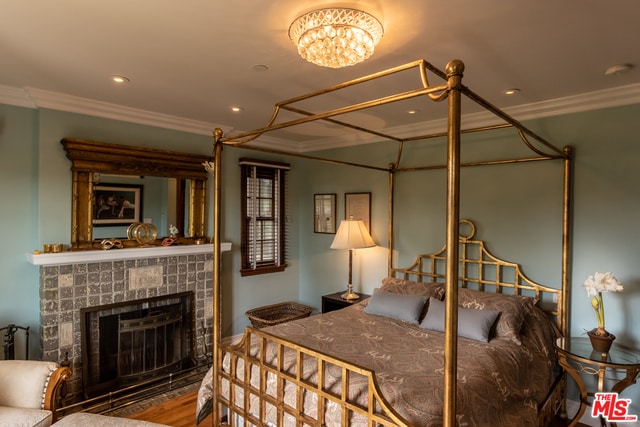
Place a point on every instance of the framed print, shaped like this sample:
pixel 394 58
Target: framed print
pixel 324 209
pixel 358 206
pixel 117 204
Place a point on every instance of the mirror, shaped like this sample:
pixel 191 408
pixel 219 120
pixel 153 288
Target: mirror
pixel 120 199
pixel 110 179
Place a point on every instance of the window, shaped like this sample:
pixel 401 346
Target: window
pixel 263 208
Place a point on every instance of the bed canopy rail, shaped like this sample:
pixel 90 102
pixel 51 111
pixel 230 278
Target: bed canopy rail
pixel 451 90
pixel 437 92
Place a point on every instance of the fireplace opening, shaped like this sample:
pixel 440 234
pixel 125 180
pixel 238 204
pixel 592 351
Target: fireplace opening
pixel 132 342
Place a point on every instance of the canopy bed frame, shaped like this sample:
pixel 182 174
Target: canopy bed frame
pixel 452 90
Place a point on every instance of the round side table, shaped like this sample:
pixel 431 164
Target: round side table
pixel 577 356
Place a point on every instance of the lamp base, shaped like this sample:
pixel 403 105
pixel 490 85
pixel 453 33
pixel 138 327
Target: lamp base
pixel 350 295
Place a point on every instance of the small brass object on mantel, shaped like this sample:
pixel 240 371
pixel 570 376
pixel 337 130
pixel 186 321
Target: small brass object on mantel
pixel 143 233
pixel 55 248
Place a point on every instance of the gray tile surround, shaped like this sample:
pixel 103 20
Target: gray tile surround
pixel 66 289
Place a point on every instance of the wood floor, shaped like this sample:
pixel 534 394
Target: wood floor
pixel 177 412
pixel 180 412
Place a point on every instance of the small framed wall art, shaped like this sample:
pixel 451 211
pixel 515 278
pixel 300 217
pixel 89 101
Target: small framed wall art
pixel 358 206
pixel 324 210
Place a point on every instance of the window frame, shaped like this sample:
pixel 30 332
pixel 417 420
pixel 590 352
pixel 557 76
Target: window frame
pixel 254 169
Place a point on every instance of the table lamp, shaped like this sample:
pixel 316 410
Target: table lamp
pixel 352 234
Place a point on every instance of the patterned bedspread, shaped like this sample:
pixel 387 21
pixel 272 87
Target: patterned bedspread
pixel 500 383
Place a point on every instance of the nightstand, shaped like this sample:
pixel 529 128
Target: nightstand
pixel 576 356
pixel 333 301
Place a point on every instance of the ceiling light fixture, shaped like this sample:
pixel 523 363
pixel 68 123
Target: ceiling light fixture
pixel 336 37
pixel 511 91
pixel 617 69
pixel 120 79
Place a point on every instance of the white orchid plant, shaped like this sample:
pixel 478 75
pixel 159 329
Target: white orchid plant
pixel 596 285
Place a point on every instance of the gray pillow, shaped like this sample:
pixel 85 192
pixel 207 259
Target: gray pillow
pixel 513 309
pixel 397 306
pixel 473 324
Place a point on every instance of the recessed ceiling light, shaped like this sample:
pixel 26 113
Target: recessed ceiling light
pixel 413 111
pixel 237 109
pixel 617 69
pixel 512 91
pixel 120 79
pixel 260 68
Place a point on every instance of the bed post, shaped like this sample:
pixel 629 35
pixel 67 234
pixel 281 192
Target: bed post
pixel 563 304
pixel 217 291
pixel 390 226
pixel 455 70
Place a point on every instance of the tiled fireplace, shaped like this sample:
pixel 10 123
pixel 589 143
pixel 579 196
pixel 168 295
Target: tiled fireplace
pixel 73 283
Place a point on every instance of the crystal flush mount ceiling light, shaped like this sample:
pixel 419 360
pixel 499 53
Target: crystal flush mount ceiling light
pixel 336 37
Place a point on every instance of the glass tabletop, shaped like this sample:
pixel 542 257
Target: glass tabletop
pixel 617 355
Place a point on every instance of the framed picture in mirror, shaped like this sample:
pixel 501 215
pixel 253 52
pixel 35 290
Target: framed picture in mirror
pixel 117 204
pixel 324 208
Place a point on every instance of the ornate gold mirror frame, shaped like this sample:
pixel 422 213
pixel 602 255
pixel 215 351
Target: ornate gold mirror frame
pixel 91 157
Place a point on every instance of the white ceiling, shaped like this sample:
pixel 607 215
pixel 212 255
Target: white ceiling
pixel 189 61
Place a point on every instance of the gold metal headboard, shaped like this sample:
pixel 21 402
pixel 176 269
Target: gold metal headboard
pixel 480 270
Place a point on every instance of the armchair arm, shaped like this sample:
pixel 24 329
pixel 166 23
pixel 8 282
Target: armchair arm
pixel 57 378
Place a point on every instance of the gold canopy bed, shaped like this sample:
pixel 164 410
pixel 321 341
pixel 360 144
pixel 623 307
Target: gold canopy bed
pixel 272 378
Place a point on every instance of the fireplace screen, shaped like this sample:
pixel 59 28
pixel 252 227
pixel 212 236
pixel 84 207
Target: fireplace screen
pixel 136 341
pixel 149 343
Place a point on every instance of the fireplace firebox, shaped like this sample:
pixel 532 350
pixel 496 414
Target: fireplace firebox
pixel 135 341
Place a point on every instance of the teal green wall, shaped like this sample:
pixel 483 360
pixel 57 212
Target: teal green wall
pixel 515 207
pixel 504 201
pixel 19 291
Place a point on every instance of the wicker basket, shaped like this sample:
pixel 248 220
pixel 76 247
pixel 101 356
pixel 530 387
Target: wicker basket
pixel 270 315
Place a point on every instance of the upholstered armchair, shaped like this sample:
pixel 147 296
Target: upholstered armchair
pixel 28 392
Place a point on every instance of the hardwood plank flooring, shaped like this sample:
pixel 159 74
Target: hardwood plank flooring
pixel 177 412
pixel 181 412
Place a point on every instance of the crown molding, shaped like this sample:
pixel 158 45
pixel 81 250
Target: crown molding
pixel 30 97
pixel 16 96
pixel 75 104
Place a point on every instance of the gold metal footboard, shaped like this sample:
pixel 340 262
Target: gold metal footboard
pixel 256 372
